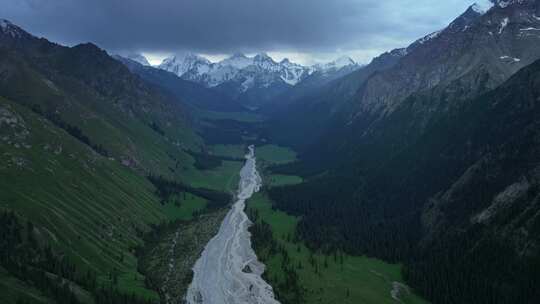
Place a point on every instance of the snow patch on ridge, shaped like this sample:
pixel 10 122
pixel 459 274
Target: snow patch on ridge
pixel 429 37
pixel 504 23
pixel 505 57
pixel 482 6
pixel 248 83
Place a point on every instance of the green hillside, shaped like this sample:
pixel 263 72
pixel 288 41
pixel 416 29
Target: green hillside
pixel 301 275
pixel 79 136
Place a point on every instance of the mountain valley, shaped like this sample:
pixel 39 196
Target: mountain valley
pixel 411 179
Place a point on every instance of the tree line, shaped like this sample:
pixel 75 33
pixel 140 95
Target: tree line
pixel 72 130
pixel 166 188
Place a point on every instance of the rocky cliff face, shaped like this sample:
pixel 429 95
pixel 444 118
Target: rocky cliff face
pixel 481 50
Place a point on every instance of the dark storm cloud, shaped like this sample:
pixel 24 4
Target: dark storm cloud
pixel 223 26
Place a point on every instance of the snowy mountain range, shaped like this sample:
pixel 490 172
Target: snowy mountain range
pixel 240 68
pixel 138 58
pixel 250 80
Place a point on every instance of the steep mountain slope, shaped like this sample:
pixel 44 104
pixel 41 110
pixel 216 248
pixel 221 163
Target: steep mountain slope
pixel 433 161
pixel 89 209
pixel 459 204
pixel 189 92
pixel 103 99
pixel 303 113
pixel 480 49
pixel 79 134
pixel 475 53
pixel 320 75
pixel 489 201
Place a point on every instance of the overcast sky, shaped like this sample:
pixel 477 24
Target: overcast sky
pixel 305 30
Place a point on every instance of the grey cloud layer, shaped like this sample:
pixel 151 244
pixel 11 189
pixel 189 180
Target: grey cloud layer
pixel 223 26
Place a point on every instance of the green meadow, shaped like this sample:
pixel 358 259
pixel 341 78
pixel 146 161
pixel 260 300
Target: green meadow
pixel 275 180
pixel 335 278
pixel 275 154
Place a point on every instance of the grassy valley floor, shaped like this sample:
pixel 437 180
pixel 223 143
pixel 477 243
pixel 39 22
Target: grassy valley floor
pixel 299 275
pixel 336 278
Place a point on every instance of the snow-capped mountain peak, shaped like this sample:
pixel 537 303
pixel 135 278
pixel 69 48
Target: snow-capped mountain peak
pixel 237 60
pixel 337 64
pixel 138 58
pixel 180 64
pixel 343 61
pixel 291 72
pixel 185 57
